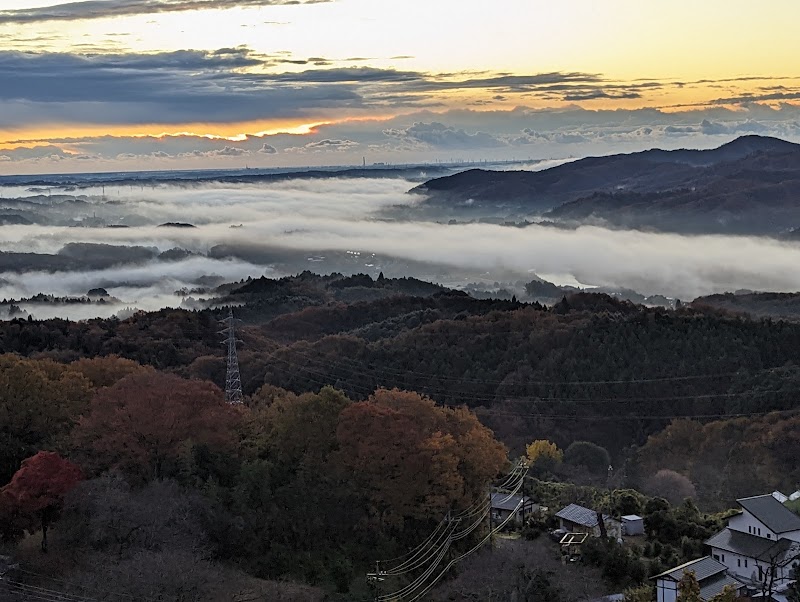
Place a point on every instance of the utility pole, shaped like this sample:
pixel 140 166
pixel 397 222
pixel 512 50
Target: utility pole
pixel 233 382
pixel 491 525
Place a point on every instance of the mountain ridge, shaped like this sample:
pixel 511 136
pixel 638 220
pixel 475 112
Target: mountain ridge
pixel 674 190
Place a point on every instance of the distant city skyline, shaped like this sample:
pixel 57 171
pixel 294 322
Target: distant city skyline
pixel 105 85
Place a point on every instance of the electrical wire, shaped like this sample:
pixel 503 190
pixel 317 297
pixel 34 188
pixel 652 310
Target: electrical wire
pixel 447 519
pixel 81 587
pixel 361 365
pixel 414 563
pixel 421 579
pixel 669 417
pixel 470 398
pixel 453 536
pixel 457 559
pixel 43 593
pixel 367 391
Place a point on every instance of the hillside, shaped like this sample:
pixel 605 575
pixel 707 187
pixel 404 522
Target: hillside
pixel 784 306
pixel 349 379
pixel 515 363
pixel 748 186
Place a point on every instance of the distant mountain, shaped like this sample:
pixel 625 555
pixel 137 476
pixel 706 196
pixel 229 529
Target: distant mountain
pixel 750 185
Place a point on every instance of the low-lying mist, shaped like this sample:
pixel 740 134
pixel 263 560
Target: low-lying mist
pixel 339 224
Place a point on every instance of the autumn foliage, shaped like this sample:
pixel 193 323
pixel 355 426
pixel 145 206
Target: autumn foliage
pixel 37 489
pixel 414 459
pixel 143 422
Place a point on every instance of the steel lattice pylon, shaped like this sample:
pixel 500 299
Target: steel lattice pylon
pixel 233 382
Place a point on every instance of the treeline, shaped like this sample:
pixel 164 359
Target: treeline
pixel 727 459
pixel 589 368
pixel 566 374
pixel 144 468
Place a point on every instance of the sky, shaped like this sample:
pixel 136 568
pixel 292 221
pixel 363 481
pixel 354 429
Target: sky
pixel 108 85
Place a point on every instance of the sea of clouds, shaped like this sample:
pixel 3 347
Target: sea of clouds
pixel 310 216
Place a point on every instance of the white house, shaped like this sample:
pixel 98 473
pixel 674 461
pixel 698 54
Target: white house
pixel 711 575
pixel 764 537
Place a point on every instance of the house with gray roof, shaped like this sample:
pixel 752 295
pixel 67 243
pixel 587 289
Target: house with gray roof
pixel 577 519
pixel 504 504
pixel 711 575
pixel 761 543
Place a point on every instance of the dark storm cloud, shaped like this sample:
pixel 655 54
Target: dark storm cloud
pixel 174 87
pixel 100 9
pixel 771 96
pixel 229 84
pixel 353 75
pixel 596 94
pixel 22 153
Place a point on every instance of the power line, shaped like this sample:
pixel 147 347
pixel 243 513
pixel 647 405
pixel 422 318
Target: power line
pixel 401 372
pixel 81 587
pixel 468 553
pixel 592 417
pixel 494 412
pixel 470 399
pixel 41 593
pixel 514 475
pixel 445 540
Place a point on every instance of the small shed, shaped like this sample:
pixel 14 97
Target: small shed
pixel 632 525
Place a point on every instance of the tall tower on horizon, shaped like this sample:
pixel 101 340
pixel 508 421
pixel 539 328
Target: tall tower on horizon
pixel 233 382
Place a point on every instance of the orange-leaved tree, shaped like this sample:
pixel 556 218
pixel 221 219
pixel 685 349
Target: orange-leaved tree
pixel 142 423
pixel 105 371
pixel 37 489
pixel 414 460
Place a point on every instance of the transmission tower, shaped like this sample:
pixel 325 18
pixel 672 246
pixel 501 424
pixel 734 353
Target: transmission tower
pixel 233 382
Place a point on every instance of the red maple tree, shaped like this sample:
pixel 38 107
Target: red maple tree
pixel 141 423
pixel 38 488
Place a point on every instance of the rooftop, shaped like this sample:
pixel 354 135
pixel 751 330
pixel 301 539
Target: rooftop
pixel 580 515
pixel 771 512
pixel 714 585
pixel 749 545
pixel 703 568
pixel 504 501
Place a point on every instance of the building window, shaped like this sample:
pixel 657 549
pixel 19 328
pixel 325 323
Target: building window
pixel 749 529
pixel 723 557
pixel 738 562
pixel 769 535
pixel 716 557
pixel 745 563
pixel 759 530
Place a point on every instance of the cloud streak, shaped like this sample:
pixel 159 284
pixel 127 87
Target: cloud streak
pixel 105 9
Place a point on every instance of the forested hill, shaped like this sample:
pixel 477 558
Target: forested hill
pixel 785 306
pixel 590 367
pixel 747 186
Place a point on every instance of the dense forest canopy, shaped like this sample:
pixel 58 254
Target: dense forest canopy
pixel 372 408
